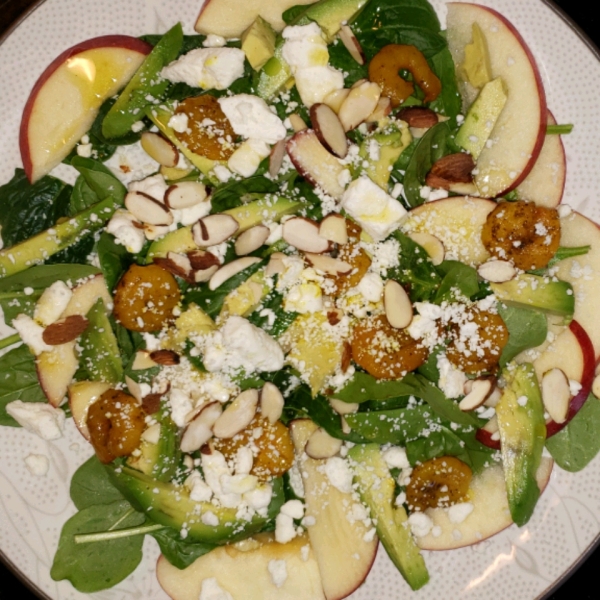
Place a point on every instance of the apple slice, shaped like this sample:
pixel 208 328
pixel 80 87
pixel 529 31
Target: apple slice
pixel 545 183
pixel 242 570
pixel 457 223
pixel 344 551
pixel 490 513
pixel 518 135
pixel 67 96
pixel 82 395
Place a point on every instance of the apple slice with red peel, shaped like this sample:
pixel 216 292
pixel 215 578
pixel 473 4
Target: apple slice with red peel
pixel 490 513
pixel 314 162
pixel 545 183
pixel 67 96
pixel 456 222
pixel 518 136
pixel 242 570
pixel 82 395
pixel 329 129
pixel 344 551
pixel 582 272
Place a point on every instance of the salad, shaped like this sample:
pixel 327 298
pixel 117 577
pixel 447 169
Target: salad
pixel 312 289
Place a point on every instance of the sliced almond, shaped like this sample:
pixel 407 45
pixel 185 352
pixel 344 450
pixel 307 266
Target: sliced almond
pixel 346 356
pixel 153 232
pixel 321 445
pixel 203 275
pixel 334 316
pixel 271 402
pixel 147 210
pixel 165 357
pixel 359 105
pixel 237 416
pixel 329 129
pixel 352 44
pixel 336 98
pixel 556 394
pixel 303 234
pixel 328 264
pixel 397 305
pixel 382 110
pixel 333 228
pixel 276 158
pixel 431 244
pixel 418 116
pixel 297 122
pixel 451 169
pixel 275 265
pixel 358 83
pixel 343 408
pixel 480 389
pixel 251 239
pixel 497 271
pixel 175 263
pixel 65 330
pixel 185 194
pixel 199 430
pixel 493 397
pixel 159 149
pixel 202 259
pixel 214 229
pixel 142 361
pixel 230 269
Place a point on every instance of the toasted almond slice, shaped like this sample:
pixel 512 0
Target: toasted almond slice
pixel 352 44
pixel 382 110
pixel 199 430
pixel 159 149
pixel 321 445
pixel 64 330
pixel 275 266
pixel 134 388
pixel 343 408
pixel 271 402
pixel 346 359
pixel 203 275
pixel 556 394
pixel 185 194
pixel 214 229
pixel 335 99
pixel 175 263
pixel 237 416
pixel 346 429
pixel 328 264
pixel 329 129
pixel 142 361
pixel 480 389
pixel 231 269
pixel 333 228
pixel 165 357
pixel 153 232
pixel 431 244
pixel 418 116
pixel 303 234
pixel 359 105
pixel 297 122
pixel 398 308
pixel 358 83
pixel 251 239
pixel 276 158
pixel 147 210
pixel 497 271
pixel 202 259
pixel 493 397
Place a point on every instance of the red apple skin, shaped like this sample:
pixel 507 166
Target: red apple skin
pixel 105 41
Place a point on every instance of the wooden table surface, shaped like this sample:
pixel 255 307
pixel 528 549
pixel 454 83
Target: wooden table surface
pixel 583 584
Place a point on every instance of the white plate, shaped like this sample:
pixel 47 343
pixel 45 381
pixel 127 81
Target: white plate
pixel 523 563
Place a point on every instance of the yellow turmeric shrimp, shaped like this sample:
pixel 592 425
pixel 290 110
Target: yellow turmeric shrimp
pixel 384 70
pixel 523 232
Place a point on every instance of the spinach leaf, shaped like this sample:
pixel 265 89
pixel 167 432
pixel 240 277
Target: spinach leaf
pixel 291 14
pixel 82 197
pixel 281 319
pixel 562 254
pixel 91 485
pixel 18 381
pixel 29 208
pixel 15 300
pixel 579 442
pixel 100 179
pixel 178 552
pixel 113 258
pixel 459 282
pixel 341 59
pixel 236 193
pixel 363 387
pixel 98 566
pixel 190 42
pixel 449 102
pixel 77 253
pixel 527 328
pixel 211 301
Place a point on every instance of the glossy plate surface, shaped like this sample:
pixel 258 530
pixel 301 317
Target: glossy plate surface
pixel 523 563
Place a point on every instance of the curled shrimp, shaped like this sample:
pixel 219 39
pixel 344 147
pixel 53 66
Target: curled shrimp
pixel 384 70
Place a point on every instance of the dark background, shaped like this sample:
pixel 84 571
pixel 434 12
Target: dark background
pixel 583 583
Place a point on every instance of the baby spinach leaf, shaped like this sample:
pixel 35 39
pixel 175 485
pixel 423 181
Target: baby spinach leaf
pixel 178 552
pixel 459 282
pixel 76 254
pixel 100 565
pixel 113 258
pixel 562 254
pixel 82 197
pixel 527 328
pixel 449 102
pixel 91 485
pixel 235 193
pixel 29 208
pixel 190 42
pixel 281 319
pixel 18 381
pixel 363 387
pixel 579 442
pixel 341 59
pixel 100 179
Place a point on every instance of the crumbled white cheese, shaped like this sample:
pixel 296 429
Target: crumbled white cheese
pixel 31 333
pixel 293 508
pixel 314 84
pixel 125 232
pixel 222 173
pixel 457 513
pixel 179 122
pixel 371 287
pixel 278 571
pixel 260 497
pixel 339 474
pixel 198 488
pixel 84 150
pixel 212 591
pixel 420 524
pixel 284 529
pixel 181 405
pixel 395 457
pixel 244 460
pixel 37 464
pixel 214 41
pixel 208 68
pixel 52 303
pixel 240 483
pixel 191 214
pixel 304 298
pixel 38 417
pixel 452 380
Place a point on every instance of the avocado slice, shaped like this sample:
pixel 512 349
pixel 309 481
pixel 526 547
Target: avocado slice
pixel 330 14
pixel 376 487
pixel 534 291
pixel 481 118
pixel 476 68
pixel 146 83
pixel 522 428
pixel 100 354
pixel 258 43
pixel 170 505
